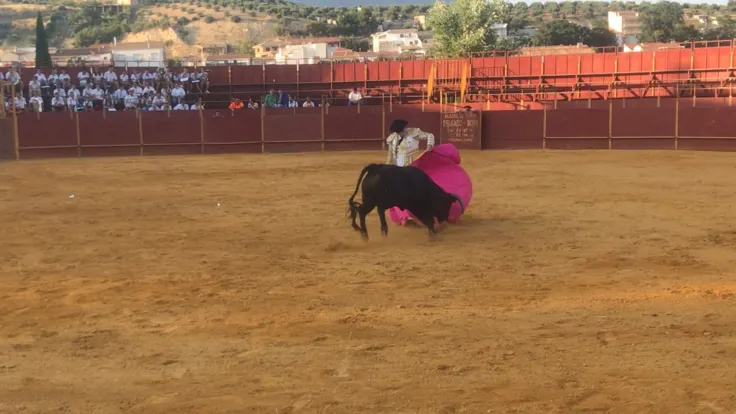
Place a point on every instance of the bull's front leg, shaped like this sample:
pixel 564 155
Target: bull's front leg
pixel 428 221
pixel 382 217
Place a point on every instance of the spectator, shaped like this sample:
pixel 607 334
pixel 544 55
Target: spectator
pixel 97 77
pixel 177 94
pixel 203 83
pixel 308 103
pixel 125 80
pixel 13 77
pixel 197 105
pixel 83 78
pixel 283 99
pixel 147 102
pixel 34 87
pixel 65 79
pixel 165 107
pixel 119 97
pixel 293 103
pixel 148 88
pixel 53 80
pixel 72 102
pixel 185 80
pixel 355 97
pixel 235 104
pixel 181 106
pixel 131 101
pixel 271 100
pixel 35 104
pixel 58 102
pixel 110 76
pixel 252 104
pixel 20 102
pixel 157 102
pixel 73 91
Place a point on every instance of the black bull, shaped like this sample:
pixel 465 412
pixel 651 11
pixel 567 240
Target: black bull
pixel 408 188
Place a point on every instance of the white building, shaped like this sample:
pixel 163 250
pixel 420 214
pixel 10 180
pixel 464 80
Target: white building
pixel 501 30
pixel 391 40
pixel 304 53
pixel 135 54
pixel 626 26
pixel 88 56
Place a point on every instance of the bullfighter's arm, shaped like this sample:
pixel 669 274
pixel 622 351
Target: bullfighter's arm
pixel 424 136
pixel 391 140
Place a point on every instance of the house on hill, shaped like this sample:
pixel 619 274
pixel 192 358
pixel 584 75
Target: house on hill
pixel 305 50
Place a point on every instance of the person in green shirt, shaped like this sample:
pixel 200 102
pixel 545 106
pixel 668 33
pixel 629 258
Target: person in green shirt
pixel 271 100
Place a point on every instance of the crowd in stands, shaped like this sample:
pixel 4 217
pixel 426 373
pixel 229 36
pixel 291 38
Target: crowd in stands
pixel 282 99
pixel 157 90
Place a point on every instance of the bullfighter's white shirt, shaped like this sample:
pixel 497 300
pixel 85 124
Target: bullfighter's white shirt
pixel 403 155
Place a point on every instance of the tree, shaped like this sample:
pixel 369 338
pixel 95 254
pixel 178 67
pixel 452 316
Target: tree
pixel 465 25
pixel 43 57
pixel 661 21
pixel 562 32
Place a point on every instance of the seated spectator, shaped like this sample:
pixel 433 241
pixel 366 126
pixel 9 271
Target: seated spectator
pixel 235 104
pixel 181 106
pixel 197 105
pixel 35 104
pixel 58 102
pixel 148 77
pixel 283 99
pixel 109 77
pixel 355 97
pixel 34 87
pixel 148 88
pixel 203 81
pixel 293 103
pixel 53 80
pixel 137 90
pixel 165 107
pixel 20 102
pixel 119 97
pixel 308 103
pixel 271 100
pixel 157 102
pixel 73 91
pixel 72 102
pixel 125 79
pixel 252 104
pixel 131 101
pixel 65 80
pixel 185 80
pixel 13 77
pixel 177 94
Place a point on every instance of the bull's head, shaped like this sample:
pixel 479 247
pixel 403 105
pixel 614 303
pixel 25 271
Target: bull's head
pixel 444 212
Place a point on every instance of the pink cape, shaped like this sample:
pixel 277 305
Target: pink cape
pixel 442 164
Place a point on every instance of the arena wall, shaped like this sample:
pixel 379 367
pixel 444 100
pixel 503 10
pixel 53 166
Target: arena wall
pixel 677 124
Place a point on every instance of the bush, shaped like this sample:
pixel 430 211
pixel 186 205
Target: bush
pixel 209 19
pixel 236 19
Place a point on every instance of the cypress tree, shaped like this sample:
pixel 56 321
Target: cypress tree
pixel 43 57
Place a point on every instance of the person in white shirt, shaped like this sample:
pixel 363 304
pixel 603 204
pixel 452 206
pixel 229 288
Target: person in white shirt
pixel 147 88
pixel 134 77
pixel 125 79
pixel 20 102
pixel 131 101
pixel 402 143
pixel 355 97
pixel 73 91
pixel 119 96
pixel 57 102
pixel 35 104
pixel 158 101
pixel 137 90
pixel 252 104
pixel 177 94
pixel 61 92
pixel 110 77
pixel 83 78
pixel 165 107
pixel 34 87
pixel 293 103
pixel 97 77
pixel 182 106
pixel 65 79
pixel 308 103
pixel 197 105
pixel 53 78
pixel 148 77
pixel 40 77
pixel 185 80
pixel 72 102
pixel 13 77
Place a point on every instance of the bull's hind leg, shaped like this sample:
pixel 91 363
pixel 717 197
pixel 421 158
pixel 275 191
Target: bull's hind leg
pixel 363 211
pixel 353 215
pixel 382 217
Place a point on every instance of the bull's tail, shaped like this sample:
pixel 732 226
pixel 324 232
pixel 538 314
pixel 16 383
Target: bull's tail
pixel 352 205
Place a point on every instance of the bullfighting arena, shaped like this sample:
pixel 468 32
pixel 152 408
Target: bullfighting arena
pixel 576 282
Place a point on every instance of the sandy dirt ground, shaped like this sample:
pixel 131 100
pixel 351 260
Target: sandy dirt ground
pixel 577 282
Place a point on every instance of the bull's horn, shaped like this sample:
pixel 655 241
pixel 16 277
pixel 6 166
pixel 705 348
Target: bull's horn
pixel 459 200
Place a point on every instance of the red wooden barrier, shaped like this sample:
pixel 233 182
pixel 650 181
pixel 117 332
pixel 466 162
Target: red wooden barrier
pixel 577 129
pixel 110 133
pixel 351 128
pixel 293 130
pixel 512 129
pixel 43 135
pixel 171 132
pixel 226 132
pixel 643 128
